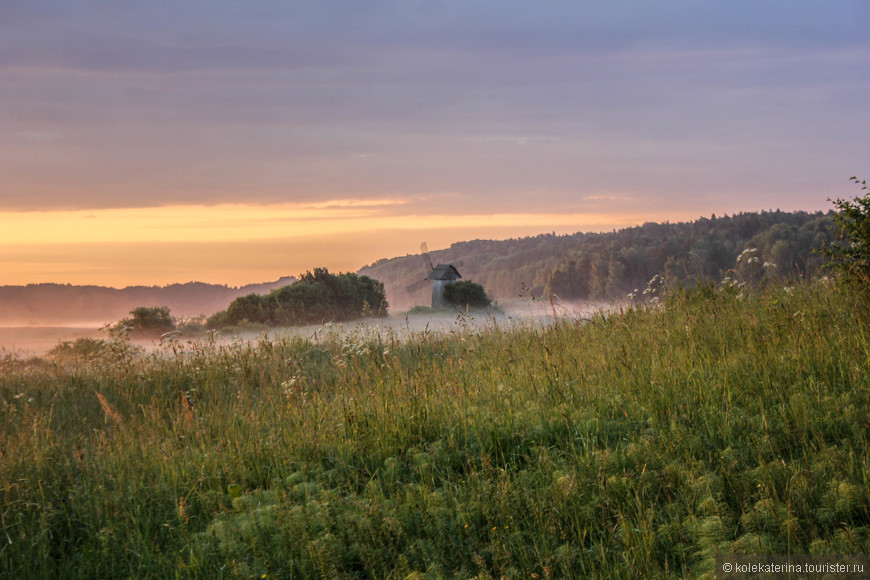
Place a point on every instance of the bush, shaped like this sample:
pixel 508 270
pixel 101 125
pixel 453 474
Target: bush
pixel 91 349
pixel 147 321
pixel 80 348
pixel 316 297
pixel 851 256
pixel 193 325
pixel 466 294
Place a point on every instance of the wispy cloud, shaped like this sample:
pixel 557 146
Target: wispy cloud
pixel 229 222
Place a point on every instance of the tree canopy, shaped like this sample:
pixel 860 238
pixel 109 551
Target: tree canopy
pixel 466 294
pixel 148 321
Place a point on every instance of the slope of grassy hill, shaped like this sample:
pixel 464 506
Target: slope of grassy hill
pixel 639 444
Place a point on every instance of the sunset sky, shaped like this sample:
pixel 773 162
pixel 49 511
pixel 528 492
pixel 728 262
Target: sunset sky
pixel 151 142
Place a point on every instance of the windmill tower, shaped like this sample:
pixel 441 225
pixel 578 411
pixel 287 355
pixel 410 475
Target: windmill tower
pixel 440 276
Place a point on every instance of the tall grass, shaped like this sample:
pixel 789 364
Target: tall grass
pixel 641 443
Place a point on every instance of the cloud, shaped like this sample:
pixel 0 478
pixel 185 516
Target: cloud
pixel 276 102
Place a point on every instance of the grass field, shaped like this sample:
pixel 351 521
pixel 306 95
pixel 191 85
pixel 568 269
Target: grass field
pixel 636 444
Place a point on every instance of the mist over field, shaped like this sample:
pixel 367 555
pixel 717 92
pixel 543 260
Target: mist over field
pixel 25 341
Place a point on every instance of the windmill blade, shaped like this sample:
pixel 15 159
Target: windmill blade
pixel 417 285
pixel 424 249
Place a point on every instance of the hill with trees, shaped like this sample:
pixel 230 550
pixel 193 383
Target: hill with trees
pixel 613 264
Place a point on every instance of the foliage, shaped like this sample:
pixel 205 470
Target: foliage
pixel 78 348
pixel 147 321
pixel 193 325
pixel 614 265
pixel 639 444
pixel 316 297
pixel 93 350
pixel 604 266
pixel 851 255
pixel 466 294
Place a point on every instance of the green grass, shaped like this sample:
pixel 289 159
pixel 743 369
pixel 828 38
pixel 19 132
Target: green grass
pixel 639 444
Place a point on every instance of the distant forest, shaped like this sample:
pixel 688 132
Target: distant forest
pixel 59 304
pixel 605 266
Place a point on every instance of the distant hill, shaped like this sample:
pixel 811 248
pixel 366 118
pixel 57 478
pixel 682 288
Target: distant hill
pixel 579 266
pixel 503 267
pixel 64 304
pixel 609 265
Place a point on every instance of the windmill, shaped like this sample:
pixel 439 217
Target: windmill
pixel 439 275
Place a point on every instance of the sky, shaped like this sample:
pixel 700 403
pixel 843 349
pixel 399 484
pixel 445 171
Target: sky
pixel 233 142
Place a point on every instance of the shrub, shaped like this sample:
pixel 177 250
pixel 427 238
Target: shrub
pixel 316 297
pixel 851 256
pixel 147 321
pixel 466 294
pixel 92 349
pixel 80 348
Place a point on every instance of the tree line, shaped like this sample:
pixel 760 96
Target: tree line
pixel 612 264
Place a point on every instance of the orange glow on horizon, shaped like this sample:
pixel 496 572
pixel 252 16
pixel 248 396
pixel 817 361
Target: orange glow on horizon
pixel 237 222
pixel 242 244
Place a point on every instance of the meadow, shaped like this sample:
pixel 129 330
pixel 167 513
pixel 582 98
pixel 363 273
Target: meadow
pixel 639 442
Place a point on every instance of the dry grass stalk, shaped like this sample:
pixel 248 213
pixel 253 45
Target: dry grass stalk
pixel 188 410
pixel 107 408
